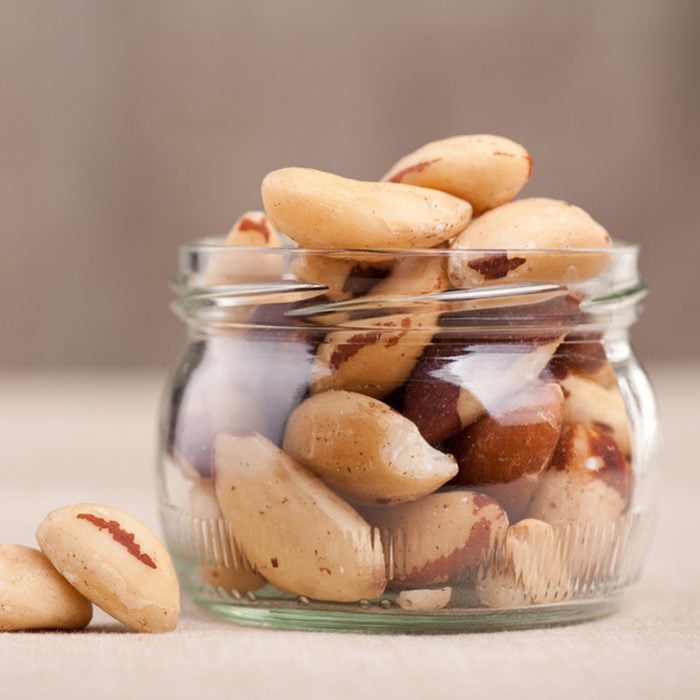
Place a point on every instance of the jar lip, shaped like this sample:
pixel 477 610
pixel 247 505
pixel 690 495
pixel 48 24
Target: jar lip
pixel 213 244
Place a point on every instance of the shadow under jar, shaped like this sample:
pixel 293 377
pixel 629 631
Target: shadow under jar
pixel 349 442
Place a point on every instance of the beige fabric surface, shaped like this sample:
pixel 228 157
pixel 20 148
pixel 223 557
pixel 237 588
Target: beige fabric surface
pixel 66 438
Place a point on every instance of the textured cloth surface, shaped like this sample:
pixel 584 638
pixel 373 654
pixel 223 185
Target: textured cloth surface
pixel 67 438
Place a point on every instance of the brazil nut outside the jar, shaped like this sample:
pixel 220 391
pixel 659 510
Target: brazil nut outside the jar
pixel 33 595
pixel 116 561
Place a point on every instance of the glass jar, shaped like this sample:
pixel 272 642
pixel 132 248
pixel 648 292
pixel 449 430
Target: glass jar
pixel 349 442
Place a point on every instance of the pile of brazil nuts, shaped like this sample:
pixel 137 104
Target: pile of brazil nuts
pixel 90 553
pixel 410 456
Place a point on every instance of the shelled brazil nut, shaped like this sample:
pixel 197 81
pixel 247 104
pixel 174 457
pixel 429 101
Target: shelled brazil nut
pixel 376 355
pixel 440 538
pixel 33 595
pixel 528 569
pixel 482 354
pixel 321 210
pixel 365 450
pixel 589 402
pixel 504 453
pixel 345 276
pixel 536 223
pixel 251 230
pixel 455 382
pixel 115 561
pixel 483 169
pixel 584 355
pixel 588 480
pixel 294 530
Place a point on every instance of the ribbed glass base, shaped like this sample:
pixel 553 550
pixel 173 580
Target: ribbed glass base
pixel 594 567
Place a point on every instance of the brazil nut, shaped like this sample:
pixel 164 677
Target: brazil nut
pixel 115 561
pixel 530 240
pixel 300 535
pixel 588 480
pixel 365 450
pixel 33 595
pixel 378 355
pixel 321 210
pixel 441 538
pixel 504 453
pixel 483 169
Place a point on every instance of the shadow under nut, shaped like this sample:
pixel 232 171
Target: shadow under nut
pixel 300 535
pixel 365 450
pixel 538 224
pixel 483 169
pixel 322 210
pixel 439 539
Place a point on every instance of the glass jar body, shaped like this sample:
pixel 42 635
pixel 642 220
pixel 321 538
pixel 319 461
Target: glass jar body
pixel 406 458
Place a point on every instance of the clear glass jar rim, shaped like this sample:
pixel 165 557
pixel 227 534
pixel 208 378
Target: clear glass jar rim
pixel 215 245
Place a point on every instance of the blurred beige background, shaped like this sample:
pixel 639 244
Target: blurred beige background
pixel 127 128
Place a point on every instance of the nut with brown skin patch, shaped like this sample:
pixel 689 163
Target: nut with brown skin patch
pixel 345 278
pixel 529 570
pixel 504 453
pixel 379 355
pixel 236 574
pixel 252 230
pixel 454 384
pixel 115 561
pixel 581 353
pixel 589 402
pixel 552 229
pixel 33 595
pixel 439 539
pixel 496 265
pixel 300 535
pixel 321 210
pixel 483 169
pixel 588 480
pixel 365 450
